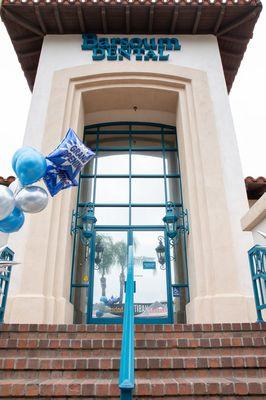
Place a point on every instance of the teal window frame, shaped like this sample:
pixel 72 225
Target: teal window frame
pixel 161 130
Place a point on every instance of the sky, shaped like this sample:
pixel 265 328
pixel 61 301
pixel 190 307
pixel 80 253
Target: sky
pixel 247 99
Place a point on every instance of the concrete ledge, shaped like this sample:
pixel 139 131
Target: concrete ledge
pixel 255 215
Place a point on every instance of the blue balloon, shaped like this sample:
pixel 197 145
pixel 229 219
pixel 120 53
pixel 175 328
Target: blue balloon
pixel 103 299
pixel 99 313
pixel 18 153
pixel 13 222
pixel 30 167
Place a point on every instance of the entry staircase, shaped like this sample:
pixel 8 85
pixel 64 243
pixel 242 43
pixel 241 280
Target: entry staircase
pixel 171 361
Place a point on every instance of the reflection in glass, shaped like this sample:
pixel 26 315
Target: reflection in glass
pixel 80 305
pixel 147 163
pixel 86 190
pixel 112 215
pixel 141 140
pixel 109 275
pixel 147 215
pixel 173 190
pixel 151 291
pixel 118 140
pixel 145 190
pixel 146 128
pixel 90 140
pixel 111 190
pixel 112 163
pixel 89 168
pixel 169 141
pixel 171 165
pixel 110 251
pixel 117 127
pixel 178 275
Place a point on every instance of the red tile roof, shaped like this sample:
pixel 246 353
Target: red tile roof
pixel 256 187
pixel 6 181
pixel 231 21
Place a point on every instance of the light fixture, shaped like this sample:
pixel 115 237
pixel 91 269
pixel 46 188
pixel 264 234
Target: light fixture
pixel 170 220
pixel 175 222
pixel 98 252
pixel 88 220
pixel 160 250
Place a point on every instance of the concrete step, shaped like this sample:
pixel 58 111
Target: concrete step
pixel 144 388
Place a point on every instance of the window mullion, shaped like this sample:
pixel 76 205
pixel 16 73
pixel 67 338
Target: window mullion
pixel 130 174
pixel 95 167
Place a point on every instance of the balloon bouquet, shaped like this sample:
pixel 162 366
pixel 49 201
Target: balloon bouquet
pixel 58 171
pixel 106 305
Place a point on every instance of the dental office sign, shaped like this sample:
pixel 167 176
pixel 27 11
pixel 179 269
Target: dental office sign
pixel 139 49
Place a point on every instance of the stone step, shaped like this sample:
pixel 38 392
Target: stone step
pixel 144 388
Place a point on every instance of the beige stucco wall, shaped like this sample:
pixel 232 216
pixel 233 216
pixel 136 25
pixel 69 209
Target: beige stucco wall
pixel 190 92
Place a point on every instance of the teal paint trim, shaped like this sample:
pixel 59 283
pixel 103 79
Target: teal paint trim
pixel 162 131
pixel 91 279
pixel 137 149
pixel 257 263
pixel 130 176
pixel 131 123
pixel 127 373
pixel 178 205
pixel 84 176
pixel 6 254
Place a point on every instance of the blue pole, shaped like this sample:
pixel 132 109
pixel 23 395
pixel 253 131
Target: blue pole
pixel 126 373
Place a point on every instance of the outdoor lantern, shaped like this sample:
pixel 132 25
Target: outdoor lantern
pixel 88 221
pixel 160 250
pixel 86 227
pixel 98 251
pixel 170 220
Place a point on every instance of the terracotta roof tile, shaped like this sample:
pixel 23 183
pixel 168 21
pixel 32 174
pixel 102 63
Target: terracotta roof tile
pixel 256 187
pixel 231 21
pixel 6 181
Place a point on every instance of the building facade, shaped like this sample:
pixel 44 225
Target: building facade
pixel 147 90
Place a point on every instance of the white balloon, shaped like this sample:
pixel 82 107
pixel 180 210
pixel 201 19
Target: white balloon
pixel 32 199
pixel 7 202
pixel 15 186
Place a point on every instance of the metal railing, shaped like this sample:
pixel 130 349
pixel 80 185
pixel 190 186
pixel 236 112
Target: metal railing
pixel 257 262
pixel 127 373
pixel 5 272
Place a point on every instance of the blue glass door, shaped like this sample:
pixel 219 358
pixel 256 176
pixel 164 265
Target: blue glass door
pixel 152 298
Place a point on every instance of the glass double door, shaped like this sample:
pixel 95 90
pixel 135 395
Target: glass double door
pixel 152 280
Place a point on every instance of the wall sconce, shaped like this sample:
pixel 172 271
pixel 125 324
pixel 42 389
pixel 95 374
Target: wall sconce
pixel 88 220
pixel 174 221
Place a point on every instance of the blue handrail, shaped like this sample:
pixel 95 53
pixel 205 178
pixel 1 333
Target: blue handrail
pixel 257 262
pixel 127 373
pixel 5 255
